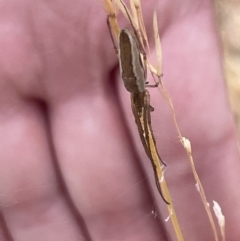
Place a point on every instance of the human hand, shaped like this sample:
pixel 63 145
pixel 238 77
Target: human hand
pixel 72 164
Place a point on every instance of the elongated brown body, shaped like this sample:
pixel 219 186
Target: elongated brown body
pixel 133 73
pixel 132 69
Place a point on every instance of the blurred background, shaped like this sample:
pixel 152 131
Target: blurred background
pixel 228 16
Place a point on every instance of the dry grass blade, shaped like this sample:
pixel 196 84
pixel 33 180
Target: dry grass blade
pixel 221 219
pixel 157 45
pixel 187 146
pixel 185 142
pixel 164 188
pixel 121 7
pixel 134 13
pixel 138 9
pixel 112 16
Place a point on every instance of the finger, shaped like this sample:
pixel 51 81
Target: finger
pixel 31 197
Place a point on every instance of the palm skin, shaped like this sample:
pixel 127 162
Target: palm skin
pixel 72 164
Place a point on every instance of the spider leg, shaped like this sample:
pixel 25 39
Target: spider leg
pixel 157 82
pixel 111 33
